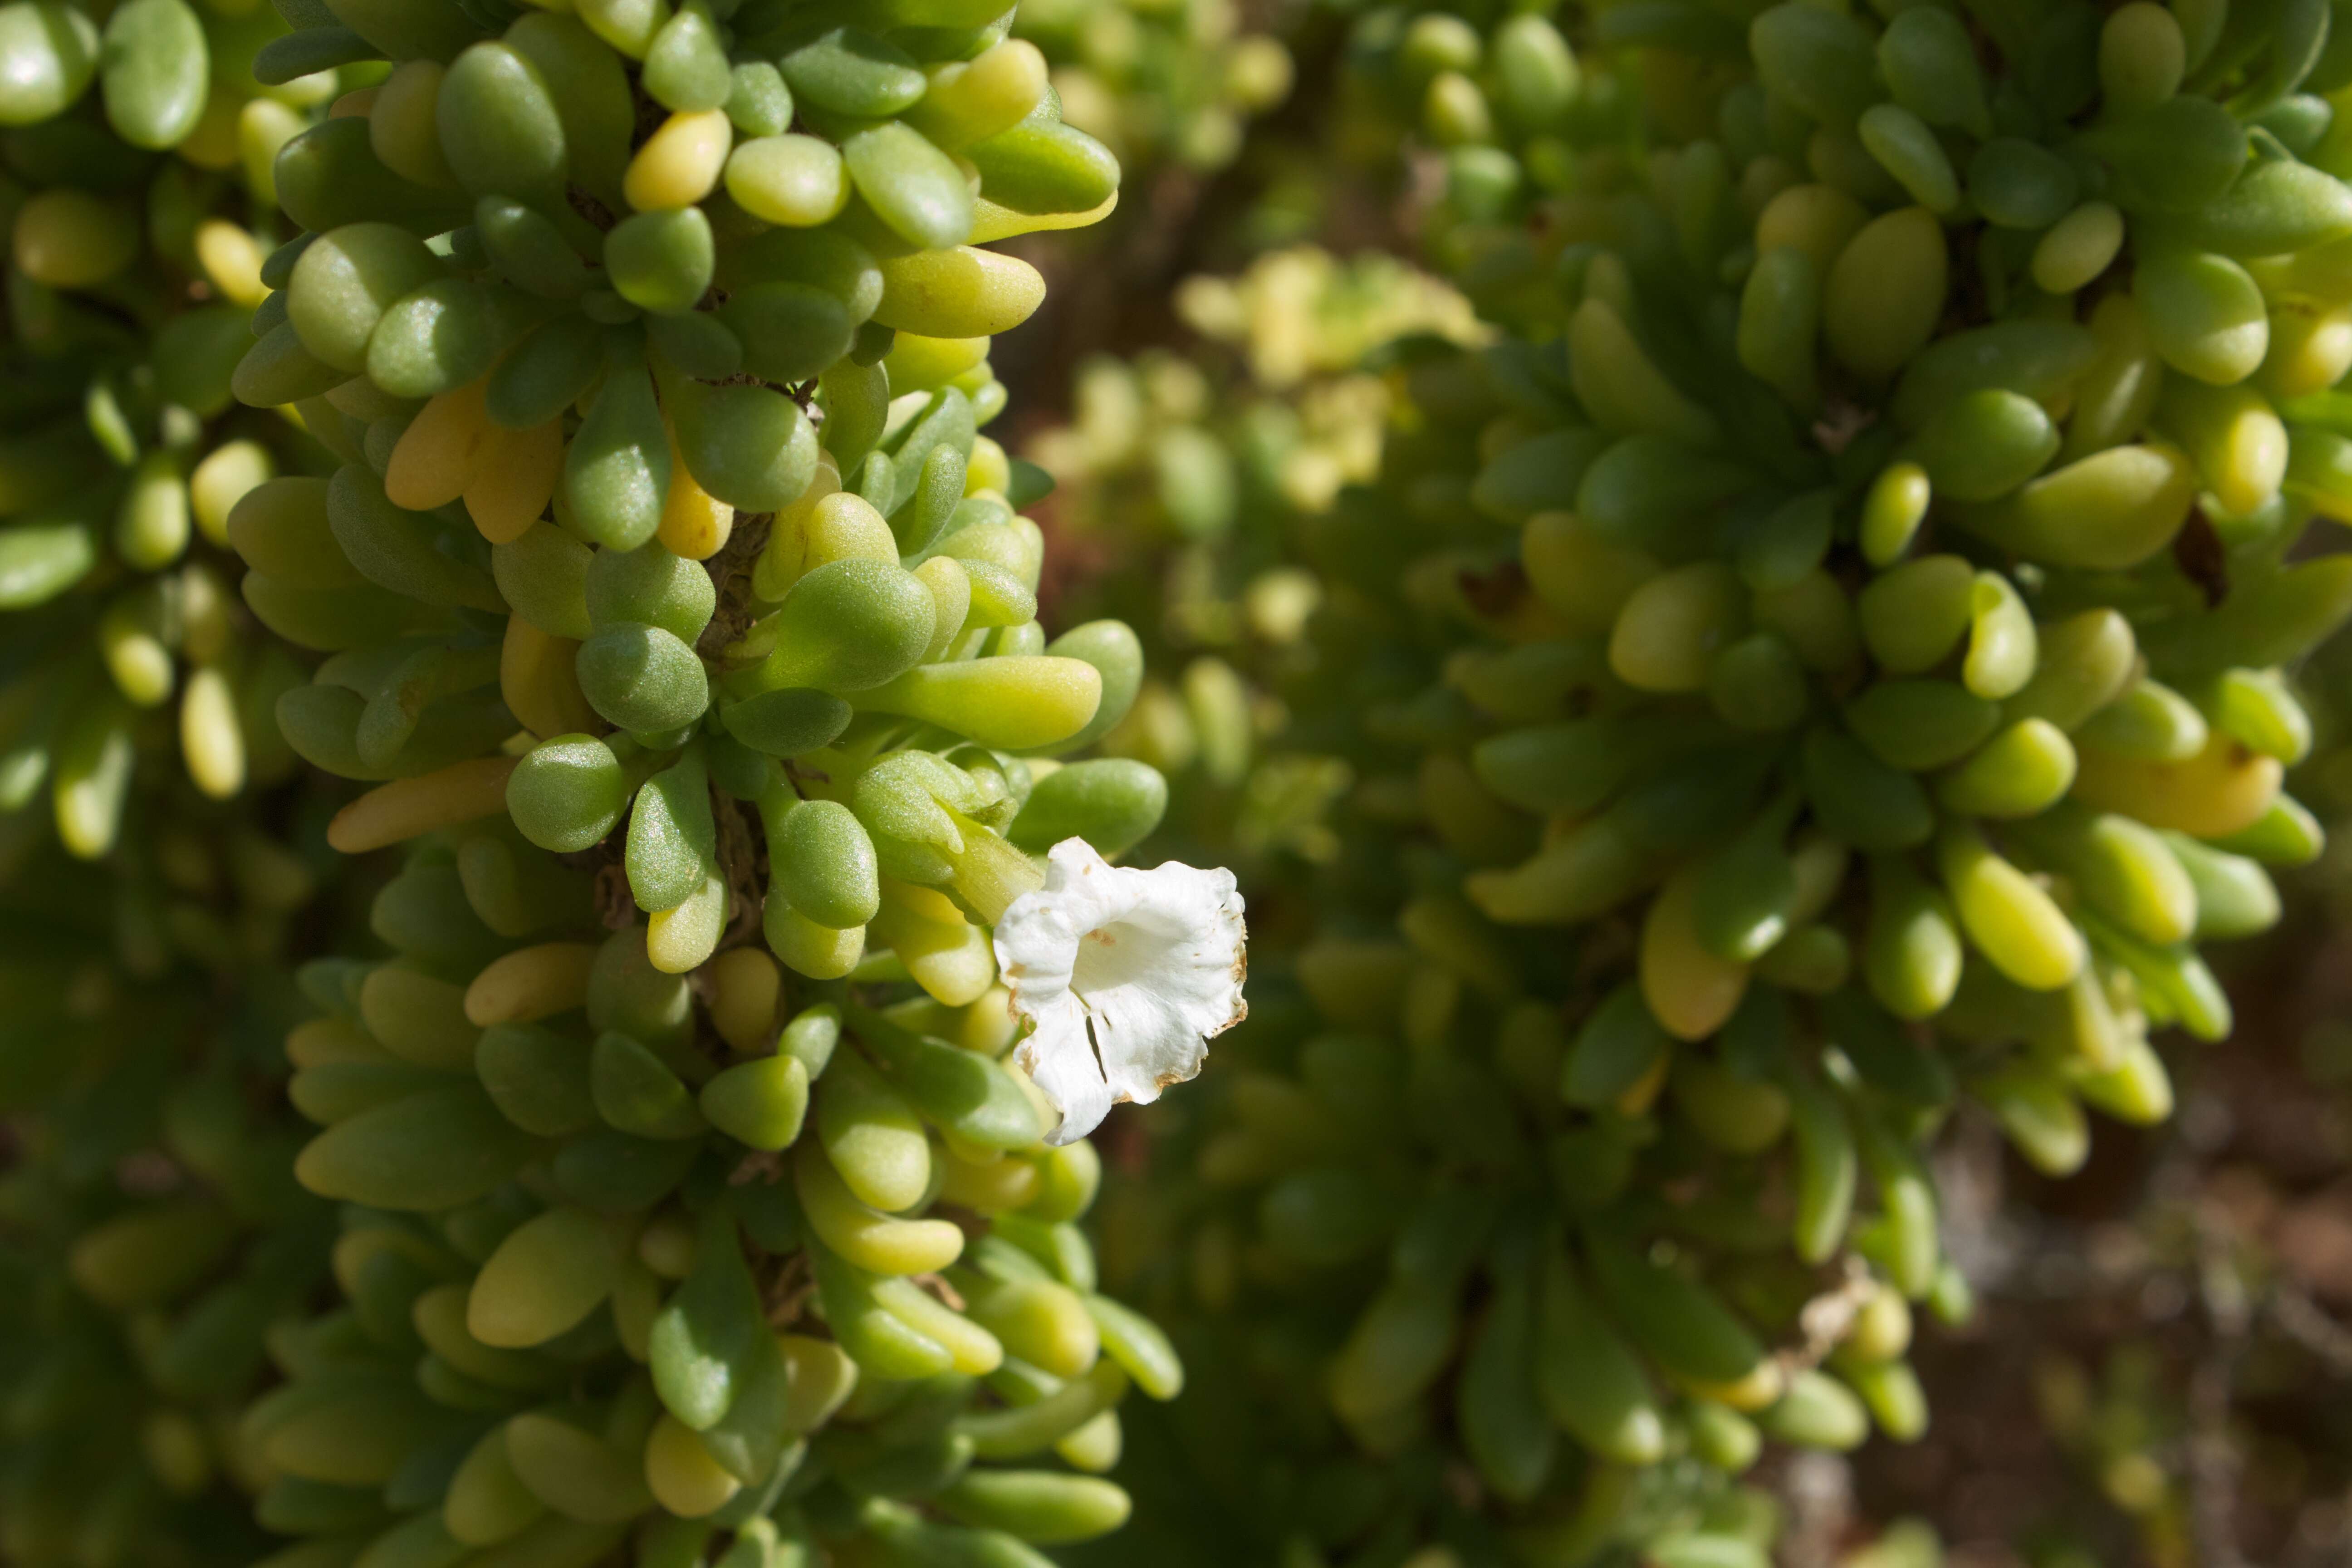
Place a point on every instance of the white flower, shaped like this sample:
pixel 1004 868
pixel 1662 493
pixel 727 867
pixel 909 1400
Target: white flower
pixel 1126 975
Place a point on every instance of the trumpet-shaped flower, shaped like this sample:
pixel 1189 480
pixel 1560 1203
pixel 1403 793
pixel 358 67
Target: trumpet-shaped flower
pixel 1127 975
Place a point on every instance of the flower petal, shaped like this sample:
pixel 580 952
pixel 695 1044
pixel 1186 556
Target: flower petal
pixel 1126 973
pixel 1059 1058
pixel 1037 936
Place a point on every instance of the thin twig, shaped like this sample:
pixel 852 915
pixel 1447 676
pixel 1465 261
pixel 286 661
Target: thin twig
pixel 2300 1318
pixel 2213 1461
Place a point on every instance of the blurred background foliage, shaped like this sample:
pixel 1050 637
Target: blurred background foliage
pixel 2156 1368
